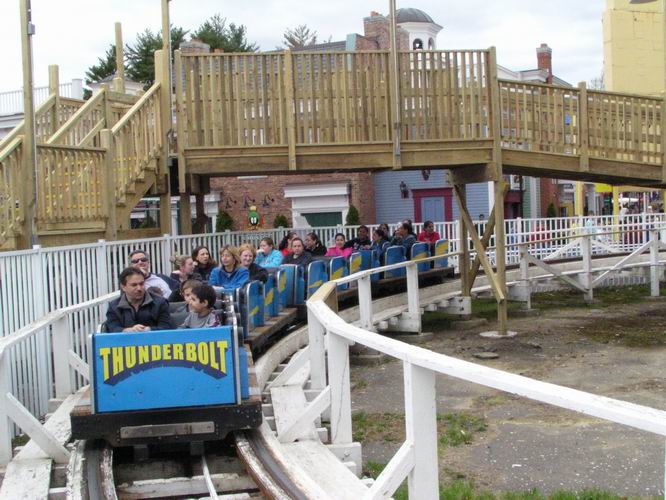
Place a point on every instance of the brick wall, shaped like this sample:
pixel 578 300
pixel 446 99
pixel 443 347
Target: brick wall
pixel 377 34
pixel 237 190
pixel 549 194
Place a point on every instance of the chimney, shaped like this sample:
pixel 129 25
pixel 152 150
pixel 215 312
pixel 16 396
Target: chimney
pixel 374 13
pixel 545 60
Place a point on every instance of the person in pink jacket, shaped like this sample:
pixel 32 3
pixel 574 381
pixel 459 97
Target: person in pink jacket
pixel 338 250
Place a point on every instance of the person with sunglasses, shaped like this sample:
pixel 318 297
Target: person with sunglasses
pixel 139 259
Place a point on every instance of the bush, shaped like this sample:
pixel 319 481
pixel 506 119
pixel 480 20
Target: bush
pixel 148 222
pixel 224 222
pixel 353 218
pixel 551 211
pixel 280 221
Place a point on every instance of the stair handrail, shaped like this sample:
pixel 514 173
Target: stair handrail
pixel 135 109
pixel 18 130
pixel 59 137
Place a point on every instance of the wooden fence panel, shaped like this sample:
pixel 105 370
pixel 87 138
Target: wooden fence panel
pixel 625 127
pixel 10 187
pixel 540 118
pixel 69 184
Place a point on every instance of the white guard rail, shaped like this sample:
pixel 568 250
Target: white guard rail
pixel 417 459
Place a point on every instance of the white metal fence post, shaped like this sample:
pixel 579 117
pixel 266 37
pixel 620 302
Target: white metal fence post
pixel 365 303
pixel 41 306
pixel 655 268
pixel 413 302
pixel 166 253
pixel 104 278
pixel 61 347
pixel 317 351
pixel 421 430
pixel 5 422
pixel 338 376
pixel 586 275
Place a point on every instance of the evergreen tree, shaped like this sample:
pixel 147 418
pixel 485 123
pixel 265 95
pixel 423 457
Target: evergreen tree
pixel 141 55
pixel 299 37
pixel 218 35
pixel 353 217
pixel 106 66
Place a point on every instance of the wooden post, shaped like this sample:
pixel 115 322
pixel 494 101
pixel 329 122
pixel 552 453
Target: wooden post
pixel 185 214
pixel 119 79
pixel 290 107
pixel 500 239
pixel 586 275
pixel 583 128
pixel 338 375
pixel 109 192
pixel 421 430
pixel 54 89
pixel 463 259
pixel 181 138
pixel 162 74
pixel 396 107
pixel 28 199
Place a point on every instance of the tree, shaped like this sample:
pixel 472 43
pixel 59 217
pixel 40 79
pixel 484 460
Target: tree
pixel 597 83
pixel 215 32
pixel 551 211
pixel 141 55
pixel 224 222
pixel 353 218
pixel 280 221
pixel 299 37
pixel 106 66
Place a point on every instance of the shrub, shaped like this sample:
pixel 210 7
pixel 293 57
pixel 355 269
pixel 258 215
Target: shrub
pixel 353 218
pixel 224 221
pixel 551 211
pixel 280 221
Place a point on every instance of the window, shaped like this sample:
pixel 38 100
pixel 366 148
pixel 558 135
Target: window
pixel 323 219
pixel 431 44
pixel 418 44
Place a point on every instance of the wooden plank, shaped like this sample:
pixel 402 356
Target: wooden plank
pixel 184 486
pixel 325 469
pixel 288 404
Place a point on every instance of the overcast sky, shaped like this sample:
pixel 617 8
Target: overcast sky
pixel 74 33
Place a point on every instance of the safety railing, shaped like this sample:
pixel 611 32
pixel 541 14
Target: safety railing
pixel 83 127
pixel 69 185
pixel 135 142
pixel 11 159
pixel 417 458
pixel 12 102
pixel 52 351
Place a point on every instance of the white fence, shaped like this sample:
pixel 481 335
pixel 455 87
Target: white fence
pixel 417 458
pixel 36 282
pixel 11 103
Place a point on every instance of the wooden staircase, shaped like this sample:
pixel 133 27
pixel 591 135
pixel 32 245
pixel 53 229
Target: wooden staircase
pixel 95 161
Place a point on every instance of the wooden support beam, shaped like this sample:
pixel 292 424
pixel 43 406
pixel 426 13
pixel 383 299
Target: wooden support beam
pixel 54 89
pixel 163 75
pixel 28 195
pixel 290 107
pixel 480 249
pixel 463 258
pixel 185 214
pixel 396 106
pixel 119 79
pixel 500 240
pixel 109 193
pixel 487 234
pixel 181 136
pixel 663 141
pixel 583 128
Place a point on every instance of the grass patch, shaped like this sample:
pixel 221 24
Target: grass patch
pixel 460 489
pixel 603 297
pixel 359 385
pixel 453 429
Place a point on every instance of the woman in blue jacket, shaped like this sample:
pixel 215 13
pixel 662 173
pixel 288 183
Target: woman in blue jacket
pixel 230 275
pixel 268 255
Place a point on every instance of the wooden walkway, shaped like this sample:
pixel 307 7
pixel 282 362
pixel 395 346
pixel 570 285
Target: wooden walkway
pixel 308 112
pixel 323 111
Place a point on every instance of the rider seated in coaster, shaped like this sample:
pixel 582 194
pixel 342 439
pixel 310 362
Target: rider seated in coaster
pixel 201 305
pixel 362 241
pixel 230 275
pixel 139 259
pixel 137 310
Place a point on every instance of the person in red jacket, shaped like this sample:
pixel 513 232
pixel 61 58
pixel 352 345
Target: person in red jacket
pixel 429 235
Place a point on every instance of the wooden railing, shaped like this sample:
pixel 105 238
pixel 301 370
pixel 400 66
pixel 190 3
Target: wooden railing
pixel 83 127
pixel 10 208
pixel 69 184
pixel 135 141
pixel 330 97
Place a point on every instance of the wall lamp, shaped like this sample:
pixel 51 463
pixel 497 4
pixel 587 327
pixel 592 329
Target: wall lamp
pixel 404 190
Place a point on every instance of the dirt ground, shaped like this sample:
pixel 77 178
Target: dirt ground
pixel 611 348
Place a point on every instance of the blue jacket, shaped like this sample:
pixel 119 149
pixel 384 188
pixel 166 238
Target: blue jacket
pixel 274 259
pixel 407 243
pixel 229 281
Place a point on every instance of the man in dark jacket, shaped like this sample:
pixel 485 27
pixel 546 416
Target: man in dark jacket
pixel 362 241
pixel 137 310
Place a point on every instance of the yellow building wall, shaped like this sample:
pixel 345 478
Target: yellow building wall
pixel 633 47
